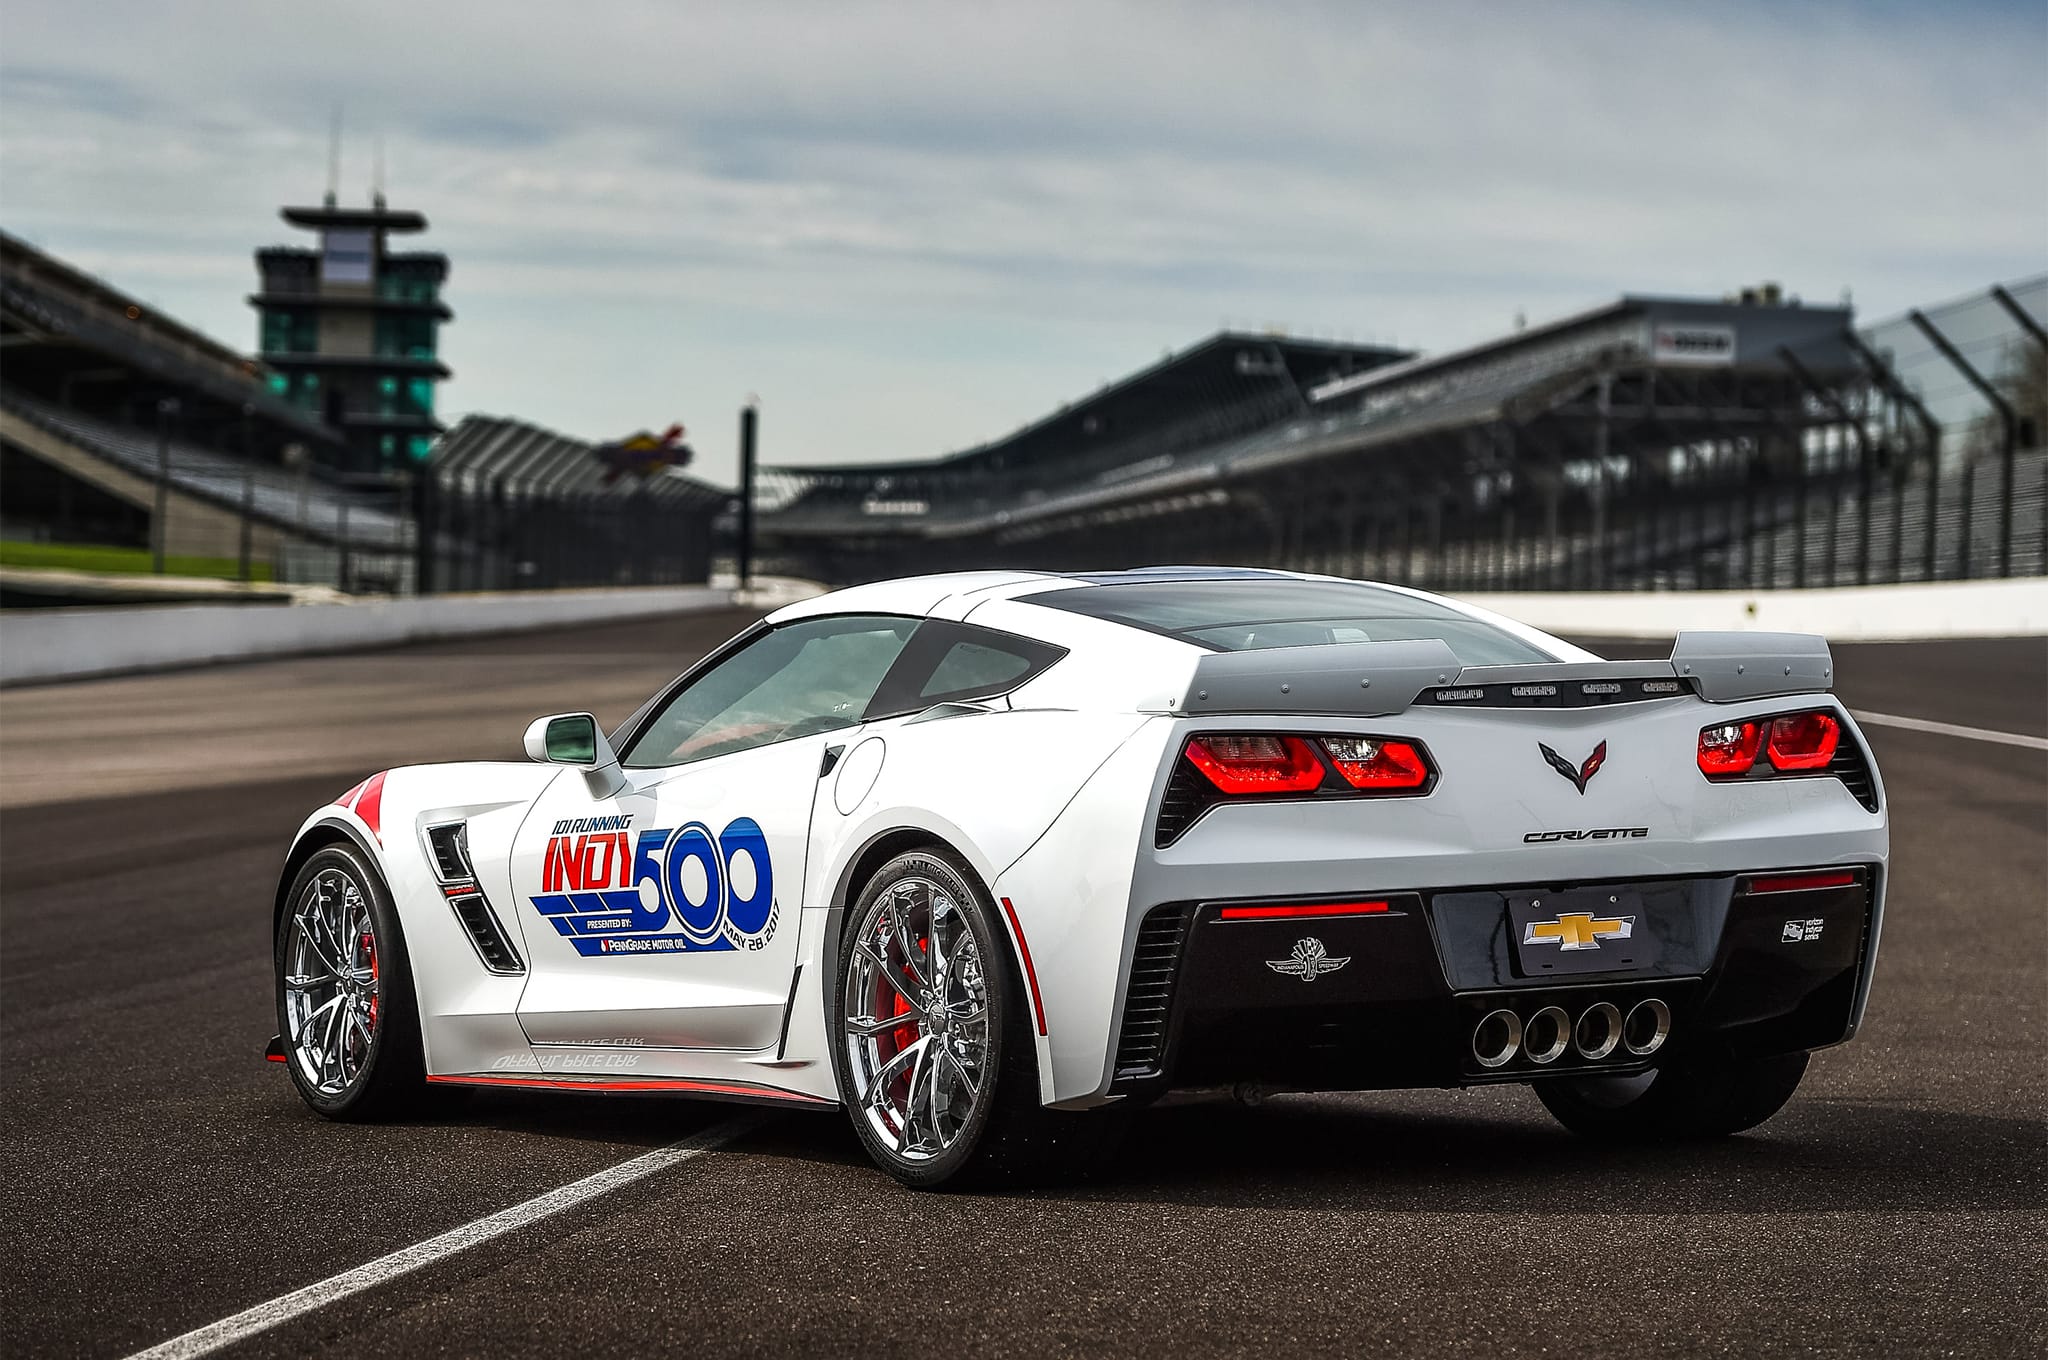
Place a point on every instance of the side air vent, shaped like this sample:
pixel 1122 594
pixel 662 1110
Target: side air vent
pixel 1852 767
pixel 486 934
pixel 1148 1006
pixel 449 843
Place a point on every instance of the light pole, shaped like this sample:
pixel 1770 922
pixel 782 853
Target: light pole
pixel 749 418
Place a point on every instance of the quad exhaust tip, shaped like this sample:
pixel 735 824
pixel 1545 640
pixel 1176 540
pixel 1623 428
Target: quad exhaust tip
pixel 1497 1038
pixel 1647 1027
pixel 1548 1035
pixel 1598 1032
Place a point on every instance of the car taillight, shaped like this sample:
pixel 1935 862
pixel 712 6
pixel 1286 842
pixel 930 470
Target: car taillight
pixel 1369 763
pixel 1814 743
pixel 1783 743
pixel 1257 763
pixel 1803 741
pixel 1729 748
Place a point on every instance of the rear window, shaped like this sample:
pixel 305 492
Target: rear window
pixel 1251 613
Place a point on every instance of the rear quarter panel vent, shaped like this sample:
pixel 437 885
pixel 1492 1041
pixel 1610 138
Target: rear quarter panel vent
pixel 1851 765
pixel 1148 1002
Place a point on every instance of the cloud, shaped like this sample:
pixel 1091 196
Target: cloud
pixel 913 226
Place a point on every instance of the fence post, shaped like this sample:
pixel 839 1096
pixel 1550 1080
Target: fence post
pixel 248 495
pixel 424 535
pixel 160 521
pixel 1553 549
pixel 248 511
pixel 341 566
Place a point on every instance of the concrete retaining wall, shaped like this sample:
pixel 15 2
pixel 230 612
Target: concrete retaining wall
pixel 64 644
pixel 1940 609
pixel 60 644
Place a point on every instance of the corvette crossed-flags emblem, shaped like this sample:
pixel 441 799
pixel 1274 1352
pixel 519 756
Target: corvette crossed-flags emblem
pixel 1578 774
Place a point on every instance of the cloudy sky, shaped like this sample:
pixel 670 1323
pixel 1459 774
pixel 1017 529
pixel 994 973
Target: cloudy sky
pixel 909 227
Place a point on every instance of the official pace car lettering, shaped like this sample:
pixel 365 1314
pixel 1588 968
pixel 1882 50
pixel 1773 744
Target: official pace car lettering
pixel 611 890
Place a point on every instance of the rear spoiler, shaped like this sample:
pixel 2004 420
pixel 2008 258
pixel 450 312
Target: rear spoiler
pixel 1376 679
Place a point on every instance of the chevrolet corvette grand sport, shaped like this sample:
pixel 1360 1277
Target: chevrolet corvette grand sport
pixel 989 860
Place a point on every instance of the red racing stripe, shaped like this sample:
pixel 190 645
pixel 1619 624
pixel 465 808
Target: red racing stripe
pixel 370 806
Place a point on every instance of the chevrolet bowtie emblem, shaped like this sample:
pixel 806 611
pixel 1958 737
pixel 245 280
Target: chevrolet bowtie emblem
pixel 1579 930
pixel 1309 961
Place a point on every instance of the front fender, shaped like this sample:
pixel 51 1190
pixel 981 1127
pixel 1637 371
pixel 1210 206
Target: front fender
pixel 468 1015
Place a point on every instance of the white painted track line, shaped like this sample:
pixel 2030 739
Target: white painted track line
pixel 1943 729
pixel 247 1323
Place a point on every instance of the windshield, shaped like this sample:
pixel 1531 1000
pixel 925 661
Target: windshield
pixel 1251 613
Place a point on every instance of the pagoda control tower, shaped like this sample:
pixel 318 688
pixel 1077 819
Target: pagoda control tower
pixel 351 330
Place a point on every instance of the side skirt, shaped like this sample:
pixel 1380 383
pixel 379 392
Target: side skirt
pixel 748 1092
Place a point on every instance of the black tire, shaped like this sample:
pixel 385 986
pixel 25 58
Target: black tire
pixel 391 1080
pixel 1702 1099
pixel 1009 1139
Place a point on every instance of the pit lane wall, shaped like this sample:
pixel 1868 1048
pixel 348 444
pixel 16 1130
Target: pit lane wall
pixel 1942 609
pixel 42 645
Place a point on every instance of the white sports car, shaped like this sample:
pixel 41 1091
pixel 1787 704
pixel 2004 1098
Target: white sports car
pixel 991 859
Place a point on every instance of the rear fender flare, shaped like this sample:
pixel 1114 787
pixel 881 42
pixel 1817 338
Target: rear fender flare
pixel 884 838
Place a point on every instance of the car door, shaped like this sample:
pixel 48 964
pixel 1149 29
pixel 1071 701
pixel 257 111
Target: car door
pixel 666 915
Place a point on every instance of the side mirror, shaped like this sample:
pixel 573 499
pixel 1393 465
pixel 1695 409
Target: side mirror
pixel 574 739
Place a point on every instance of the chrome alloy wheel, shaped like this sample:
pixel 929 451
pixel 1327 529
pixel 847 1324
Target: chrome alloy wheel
pixel 330 982
pixel 917 1019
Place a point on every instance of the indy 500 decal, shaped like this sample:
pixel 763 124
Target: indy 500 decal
pixel 611 890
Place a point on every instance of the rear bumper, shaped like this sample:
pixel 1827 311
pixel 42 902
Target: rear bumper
pixel 1388 990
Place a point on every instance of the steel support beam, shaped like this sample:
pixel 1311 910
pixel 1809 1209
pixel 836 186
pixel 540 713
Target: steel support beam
pixel 2020 314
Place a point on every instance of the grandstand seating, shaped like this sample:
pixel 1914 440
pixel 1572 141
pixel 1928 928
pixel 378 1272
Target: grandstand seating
pixel 304 505
pixel 1644 471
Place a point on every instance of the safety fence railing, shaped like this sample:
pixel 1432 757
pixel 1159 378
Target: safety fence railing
pixel 1903 525
pixel 505 536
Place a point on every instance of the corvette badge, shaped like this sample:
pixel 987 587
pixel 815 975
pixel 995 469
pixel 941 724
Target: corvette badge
pixel 1578 774
pixel 1309 961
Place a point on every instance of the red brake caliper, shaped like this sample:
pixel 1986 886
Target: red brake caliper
pixel 889 1002
pixel 369 947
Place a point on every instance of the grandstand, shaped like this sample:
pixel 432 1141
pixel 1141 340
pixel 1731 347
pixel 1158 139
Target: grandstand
pixel 1652 442
pixel 850 522
pixel 101 394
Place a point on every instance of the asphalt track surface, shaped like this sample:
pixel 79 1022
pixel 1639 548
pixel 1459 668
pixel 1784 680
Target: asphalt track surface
pixel 159 1176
